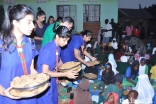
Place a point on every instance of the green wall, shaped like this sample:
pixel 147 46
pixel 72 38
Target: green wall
pixel 109 8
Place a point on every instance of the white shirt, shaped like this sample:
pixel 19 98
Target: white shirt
pixel 127 102
pixel 108 33
pixel 99 37
pixel 142 69
pixel 86 59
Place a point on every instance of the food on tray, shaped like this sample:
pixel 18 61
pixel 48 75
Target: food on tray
pixel 29 93
pixel 90 76
pixel 76 69
pixel 93 62
pixel 27 81
pixel 69 65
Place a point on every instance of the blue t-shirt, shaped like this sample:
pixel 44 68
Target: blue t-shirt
pixel 11 67
pixel 47 56
pixel 67 53
pixel 128 73
pixel 45 26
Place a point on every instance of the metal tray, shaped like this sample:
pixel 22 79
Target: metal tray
pixel 33 87
pixel 90 77
pixel 37 93
pixel 69 67
pixel 73 69
pixel 96 62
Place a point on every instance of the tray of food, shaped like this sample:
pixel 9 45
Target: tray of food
pixel 76 69
pixel 69 65
pixel 29 93
pixel 96 62
pixel 90 76
pixel 29 82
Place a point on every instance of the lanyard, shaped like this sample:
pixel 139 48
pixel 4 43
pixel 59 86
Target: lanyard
pixel 20 52
pixel 56 59
pixel 56 64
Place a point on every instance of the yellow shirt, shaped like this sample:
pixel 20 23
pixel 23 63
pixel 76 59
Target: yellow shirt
pixel 153 72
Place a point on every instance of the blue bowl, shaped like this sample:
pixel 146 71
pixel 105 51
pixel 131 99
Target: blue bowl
pixel 97 92
pixel 70 84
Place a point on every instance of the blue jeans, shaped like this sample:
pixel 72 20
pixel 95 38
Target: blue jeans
pixel 106 40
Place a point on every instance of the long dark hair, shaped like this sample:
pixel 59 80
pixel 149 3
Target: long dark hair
pixel 63 31
pixel 87 33
pixel 108 77
pixel 49 18
pixel 59 19
pixel 16 12
pixel 133 71
pixel 40 12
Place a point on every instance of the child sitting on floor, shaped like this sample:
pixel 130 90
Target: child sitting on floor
pixel 112 98
pixel 153 72
pixel 132 96
pixel 103 56
pixel 82 93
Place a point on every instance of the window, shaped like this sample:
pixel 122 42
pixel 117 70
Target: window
pixel 91 13
pixel 67 10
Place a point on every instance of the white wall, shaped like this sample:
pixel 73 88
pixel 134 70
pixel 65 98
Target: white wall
pixel 109 8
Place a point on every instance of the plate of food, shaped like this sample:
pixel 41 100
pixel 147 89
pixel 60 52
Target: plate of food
pixel 29 82
pixel 69 65
pixel 29 93
pixel 90 75
pixel 96 62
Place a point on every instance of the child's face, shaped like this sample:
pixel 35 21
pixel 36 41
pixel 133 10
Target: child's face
pixel 142 63
pixel 131 97
pixel 104 44
pixel 102 50
pixel 147 61
pixel 136 67
pixel 110 98
pixel 88 49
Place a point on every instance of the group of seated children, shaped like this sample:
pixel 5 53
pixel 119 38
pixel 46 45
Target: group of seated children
pixel 119 73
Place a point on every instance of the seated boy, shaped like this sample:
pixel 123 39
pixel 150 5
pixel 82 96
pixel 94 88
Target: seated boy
pixel 132 96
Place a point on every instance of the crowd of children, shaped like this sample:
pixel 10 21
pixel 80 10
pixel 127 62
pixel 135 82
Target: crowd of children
pixel 130 66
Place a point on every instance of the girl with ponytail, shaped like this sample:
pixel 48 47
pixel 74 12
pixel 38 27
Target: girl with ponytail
pixel 75 46
pixel 18 23
pixel 39 27
pixel 48 59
